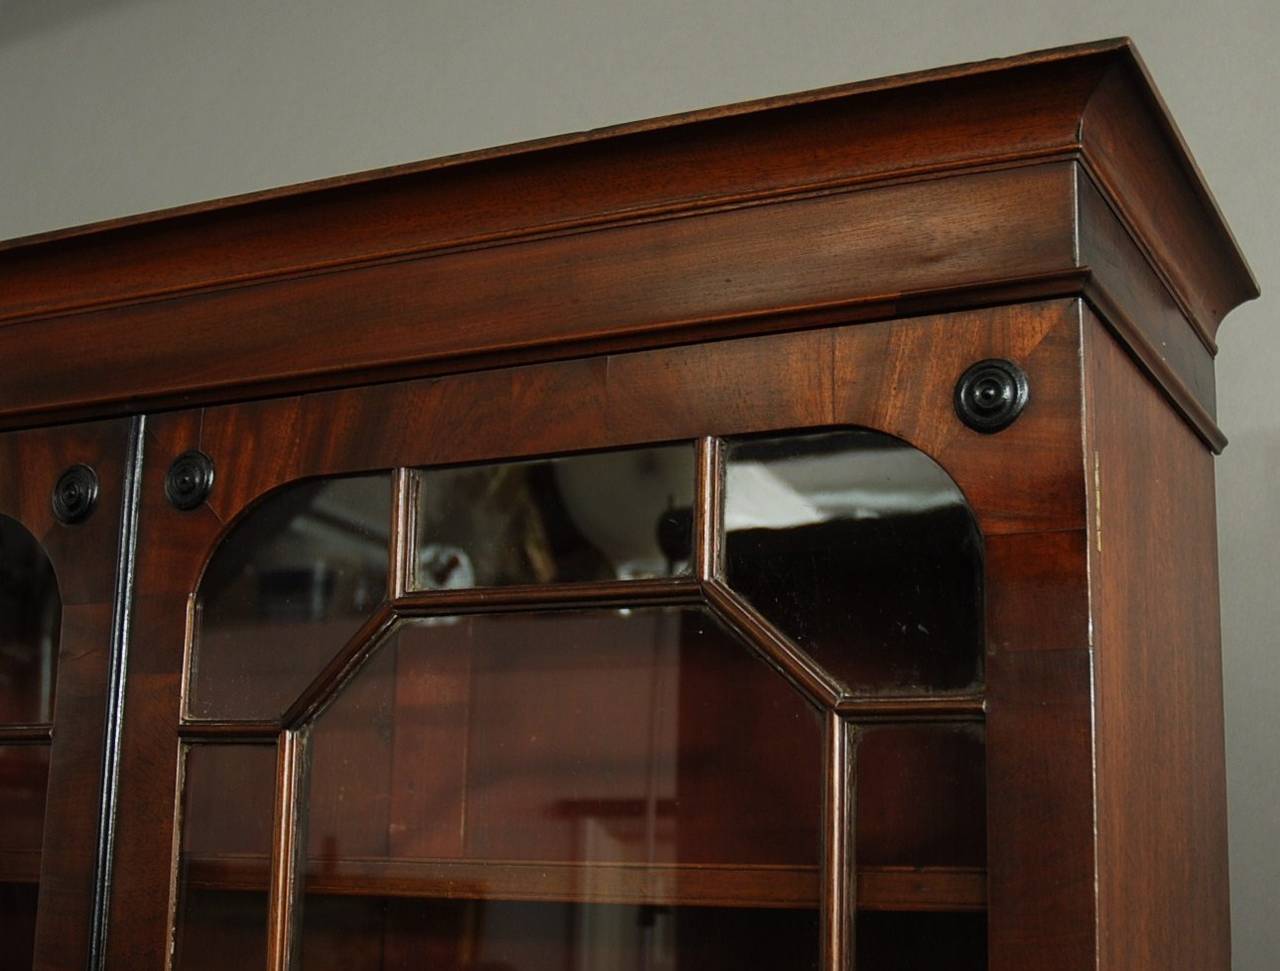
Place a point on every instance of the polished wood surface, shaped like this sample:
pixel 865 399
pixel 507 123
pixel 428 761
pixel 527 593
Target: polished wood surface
pixel 84 560
pixel 928 192
pixel 1161 774
pixel 864 375
pixel 1068 99
pixel 831 260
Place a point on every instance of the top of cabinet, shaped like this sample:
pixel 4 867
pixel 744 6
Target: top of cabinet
pixel 1090 106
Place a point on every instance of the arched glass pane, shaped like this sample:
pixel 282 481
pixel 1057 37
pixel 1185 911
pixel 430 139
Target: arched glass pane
pixel 862 550
pixel 562 789
pixel 619 515
pixel 30 618
pixel 291 582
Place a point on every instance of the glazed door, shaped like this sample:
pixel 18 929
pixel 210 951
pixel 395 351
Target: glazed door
pixel 62 495
pixel 671 659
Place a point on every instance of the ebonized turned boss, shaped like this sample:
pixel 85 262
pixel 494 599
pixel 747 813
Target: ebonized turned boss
pixel 780 536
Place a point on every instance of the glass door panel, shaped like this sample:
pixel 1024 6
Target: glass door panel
pixel 292 580
pixel 30 622
pixel 579 739
pixel 863 551
pixel 30 616
pixel 579 518
pixel 225 861
pixel 570 788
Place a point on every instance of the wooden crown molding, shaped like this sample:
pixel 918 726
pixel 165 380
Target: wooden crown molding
pixel 922 192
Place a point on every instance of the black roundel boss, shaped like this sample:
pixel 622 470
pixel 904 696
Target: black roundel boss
pixel 189 479
pixel 991 394
pixel 75 495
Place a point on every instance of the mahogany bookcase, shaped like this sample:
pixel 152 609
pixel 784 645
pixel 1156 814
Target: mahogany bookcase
pixel 777 536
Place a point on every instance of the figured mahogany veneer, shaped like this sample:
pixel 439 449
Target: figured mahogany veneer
pixel 1045 175
pixel 84 559
pixel 828 260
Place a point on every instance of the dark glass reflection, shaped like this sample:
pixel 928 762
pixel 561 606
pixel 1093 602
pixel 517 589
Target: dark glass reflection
pixel 227 807
pixel 286 588
pixel 582 786
pixel 30 618
pixel 919 941
pixel 601 516
pixel 861 550
pixel 24 777
pixel 378 933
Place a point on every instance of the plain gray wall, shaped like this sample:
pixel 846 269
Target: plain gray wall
pixel 112 107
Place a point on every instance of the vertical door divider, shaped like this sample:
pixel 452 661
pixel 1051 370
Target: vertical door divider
pixel 404 483
pixel 839 874
pixel 708 478
pixel 286 845
pixel 121 619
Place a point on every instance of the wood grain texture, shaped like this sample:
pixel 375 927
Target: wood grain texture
pixel 1037 591
pixel 1027 478
pixel 165 574
pixel 84 560
pixel 901 888
pixel 1146 316
pixel 927 193
pixel 895 376
pixel 1161 816
pixel 672 280
pixel 1040 866
pixel 1074 99
pixel 823 260
pixel 1134 150
pixel 869 131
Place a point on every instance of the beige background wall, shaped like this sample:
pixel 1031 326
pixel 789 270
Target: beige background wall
pixel 111 107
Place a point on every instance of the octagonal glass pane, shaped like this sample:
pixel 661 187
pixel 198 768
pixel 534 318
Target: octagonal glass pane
pixel 564 788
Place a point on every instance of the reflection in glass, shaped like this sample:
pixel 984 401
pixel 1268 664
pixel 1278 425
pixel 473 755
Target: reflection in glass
pixel 227 806
pixel 378 933
pixel 584 787
pixel 863 551
pixel 290 583
pixel 24 776
pixel 921 796
pixel 920 941
pixel 601 516
pixel 30 617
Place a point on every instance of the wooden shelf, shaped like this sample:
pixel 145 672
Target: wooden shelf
pixel 19 866
pixel 721 885
pixel 922 888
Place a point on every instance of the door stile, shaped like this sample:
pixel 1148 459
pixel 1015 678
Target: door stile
pixel 839 874
pixel 118 659
pixel 708 508
pixel 287 843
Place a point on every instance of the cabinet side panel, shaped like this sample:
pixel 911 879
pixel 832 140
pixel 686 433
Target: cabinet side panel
pixel 1162 831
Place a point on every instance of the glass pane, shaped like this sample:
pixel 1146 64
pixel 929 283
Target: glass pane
pixel 290 583
pixel 604 516
pixel 921 796
pixel 861 550
pixel 30 616
pixel 379 933
pixel 24 777
pixel 227 808
pixel 573 788
pixel 918 941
